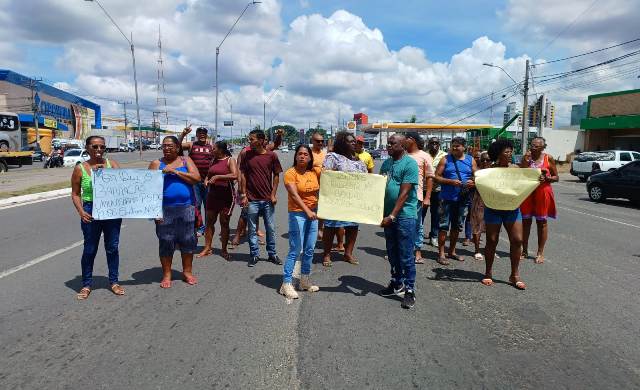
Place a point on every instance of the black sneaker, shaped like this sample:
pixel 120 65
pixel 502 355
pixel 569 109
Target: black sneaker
pixel 275 259
pixel 409 299
pixel 392 290
pixel 253 261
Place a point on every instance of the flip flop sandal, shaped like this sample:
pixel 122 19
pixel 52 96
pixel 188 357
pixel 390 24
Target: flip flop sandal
pixel 165 284
pixel 117 289
pixel 190 280
pixel 539 259
pixel 456 257
pixel 519 284
pixel 83 293
pixel 478 256
pixel 420 260
pixel 327 263
pixel 443 261
pixel 351 261
pixel 487 281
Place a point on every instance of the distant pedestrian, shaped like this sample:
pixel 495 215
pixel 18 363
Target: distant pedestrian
pixel 541 204
pixel 399 223
pixel 318 152
pixel 82 197
pixel 433 148
pixel 201 152
pixel 414 145
pixel 176 228
pixel 302 182
pixel 501 154
pixel 241 229
pixel 455 175
pixel 343 159
pixel 220 179
pixel 363 155
pixel 476 216
pixel 468 230
pixel 260 174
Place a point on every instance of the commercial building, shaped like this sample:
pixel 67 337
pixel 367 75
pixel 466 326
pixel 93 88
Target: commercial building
pixel 548 113
pixel 613 121
pixel 578 113
pixel 510 112
pixel 58 113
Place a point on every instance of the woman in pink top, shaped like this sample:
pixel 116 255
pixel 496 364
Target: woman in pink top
pixel 414 145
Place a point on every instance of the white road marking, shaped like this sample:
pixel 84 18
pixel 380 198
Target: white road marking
pixel 40 259
pixel 32 202
pixel 597 216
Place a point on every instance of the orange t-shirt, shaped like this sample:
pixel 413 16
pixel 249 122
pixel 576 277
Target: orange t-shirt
pixel 318 158
pixel 307 184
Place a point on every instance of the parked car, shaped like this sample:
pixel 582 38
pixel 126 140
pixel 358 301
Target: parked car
pixel 375 153
pixel 589 163
pixel 154 146
pixel 622 182
pixel 75 156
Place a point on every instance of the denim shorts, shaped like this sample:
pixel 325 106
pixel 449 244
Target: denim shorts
pixel 177 230
pixel 498 217
pixel 339 224
pixel 452 212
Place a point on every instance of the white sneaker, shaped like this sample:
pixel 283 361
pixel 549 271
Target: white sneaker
pixel 288 291
pixel 433 242
pixel 305 284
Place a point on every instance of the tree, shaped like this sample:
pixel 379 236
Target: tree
pixel 291 134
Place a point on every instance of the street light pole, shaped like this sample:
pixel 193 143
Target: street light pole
pixel 264 109
pixel 135 76
pixel 215 135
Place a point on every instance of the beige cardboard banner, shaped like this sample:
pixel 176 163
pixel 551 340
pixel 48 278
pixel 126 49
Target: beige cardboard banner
pixel 506 188
pixel 351 197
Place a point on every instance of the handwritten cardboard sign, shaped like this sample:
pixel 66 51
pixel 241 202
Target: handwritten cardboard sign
pixel 506 188
pixel 351 197
pixel 127 193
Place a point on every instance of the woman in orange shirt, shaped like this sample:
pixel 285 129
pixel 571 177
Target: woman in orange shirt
pixel 302 184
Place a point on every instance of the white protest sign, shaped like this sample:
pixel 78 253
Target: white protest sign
pixel 127 193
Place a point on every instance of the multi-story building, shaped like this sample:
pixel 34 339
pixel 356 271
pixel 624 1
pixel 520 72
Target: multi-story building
pixel 510 112
pixel 548 114
pixel 578 112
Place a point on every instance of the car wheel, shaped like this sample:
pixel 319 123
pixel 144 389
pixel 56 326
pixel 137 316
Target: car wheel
pixel 596 193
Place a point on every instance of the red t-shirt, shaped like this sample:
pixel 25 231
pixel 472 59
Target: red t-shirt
pixel 259 170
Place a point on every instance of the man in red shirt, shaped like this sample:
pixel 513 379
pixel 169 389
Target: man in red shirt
pixel 201 152
pixel 260 175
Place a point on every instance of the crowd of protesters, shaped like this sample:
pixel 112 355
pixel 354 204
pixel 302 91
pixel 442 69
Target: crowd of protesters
pixel 419 179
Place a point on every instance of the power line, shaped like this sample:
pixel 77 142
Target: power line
pixel 587 53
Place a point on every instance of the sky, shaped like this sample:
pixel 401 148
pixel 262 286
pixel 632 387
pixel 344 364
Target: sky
pixel 389 59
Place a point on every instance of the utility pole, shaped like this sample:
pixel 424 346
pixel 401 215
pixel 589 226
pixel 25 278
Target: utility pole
pixel 525 110
pixel 126 121
pixel 491 115
pixel 543 104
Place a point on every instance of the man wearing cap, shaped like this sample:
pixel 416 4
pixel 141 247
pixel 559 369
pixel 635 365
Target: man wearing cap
pixel 201 152
pixel 433 148
pixel 363 155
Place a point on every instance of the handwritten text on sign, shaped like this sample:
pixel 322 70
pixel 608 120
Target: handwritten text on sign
pixel 127 193
pixel 506 188
pixel 351 197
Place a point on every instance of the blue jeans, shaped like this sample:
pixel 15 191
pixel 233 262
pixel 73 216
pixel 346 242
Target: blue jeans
pixel 254 210
pixel 419 229
pixel 435 217
pixel 303 233
pixel 91 232
pixel 468 234
pixel 200 192
pixel 400 238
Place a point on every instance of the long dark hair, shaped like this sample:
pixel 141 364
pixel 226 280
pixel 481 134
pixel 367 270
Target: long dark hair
pixel 175 140
pixel 310 163
pixel 222 145
pixel 341 146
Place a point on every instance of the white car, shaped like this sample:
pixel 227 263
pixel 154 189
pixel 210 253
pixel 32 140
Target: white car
pixel 589 163
pixel 284 150
pixel 154 145
pixel 75 156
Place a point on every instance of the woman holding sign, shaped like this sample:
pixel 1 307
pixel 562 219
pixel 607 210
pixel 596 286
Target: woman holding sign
pixel 343 158
pixel 501 153
pixel 82 197
pixel 223 171
pixel 177 226
pixel 302 183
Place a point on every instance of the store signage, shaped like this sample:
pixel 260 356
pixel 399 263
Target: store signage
pixel 228 123
pixel 50 122
pixel 51 109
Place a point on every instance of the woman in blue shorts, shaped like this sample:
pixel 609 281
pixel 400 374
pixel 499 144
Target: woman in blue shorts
pixel 500 153
pixel 343 158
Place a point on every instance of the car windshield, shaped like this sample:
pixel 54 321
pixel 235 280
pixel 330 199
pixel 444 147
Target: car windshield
pixel 75 152
pixel 596 156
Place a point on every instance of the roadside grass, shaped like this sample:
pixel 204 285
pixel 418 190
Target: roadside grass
pixel 36 189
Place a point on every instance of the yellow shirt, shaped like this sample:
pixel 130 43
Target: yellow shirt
pixel 318 158
pixel 366 158
pixel 307 184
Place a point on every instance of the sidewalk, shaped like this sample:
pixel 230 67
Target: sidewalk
pixel 42 180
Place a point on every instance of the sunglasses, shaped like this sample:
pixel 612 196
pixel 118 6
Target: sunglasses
pixel 96 147
pixel 318 140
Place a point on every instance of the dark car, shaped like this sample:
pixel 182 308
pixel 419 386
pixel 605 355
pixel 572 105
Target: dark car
pixel 375 153
pixel 623 182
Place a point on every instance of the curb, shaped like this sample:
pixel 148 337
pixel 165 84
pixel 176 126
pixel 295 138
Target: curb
pixel 41 196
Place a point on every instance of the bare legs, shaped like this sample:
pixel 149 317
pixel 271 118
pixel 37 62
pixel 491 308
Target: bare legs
pixel 187 270
pixel 208 234
pixel 543 232
pixel 224 234
pixel 514 231
pixel 349 238
pixel 442 239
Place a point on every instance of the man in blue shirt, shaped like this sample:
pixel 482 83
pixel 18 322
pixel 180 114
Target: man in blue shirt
pixel 400 208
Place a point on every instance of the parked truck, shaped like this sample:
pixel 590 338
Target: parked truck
pixel 11 143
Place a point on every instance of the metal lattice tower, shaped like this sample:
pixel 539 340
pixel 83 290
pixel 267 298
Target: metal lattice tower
pixel 160 115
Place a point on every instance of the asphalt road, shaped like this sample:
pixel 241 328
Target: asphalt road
pixel 120 156
pixel 575 327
